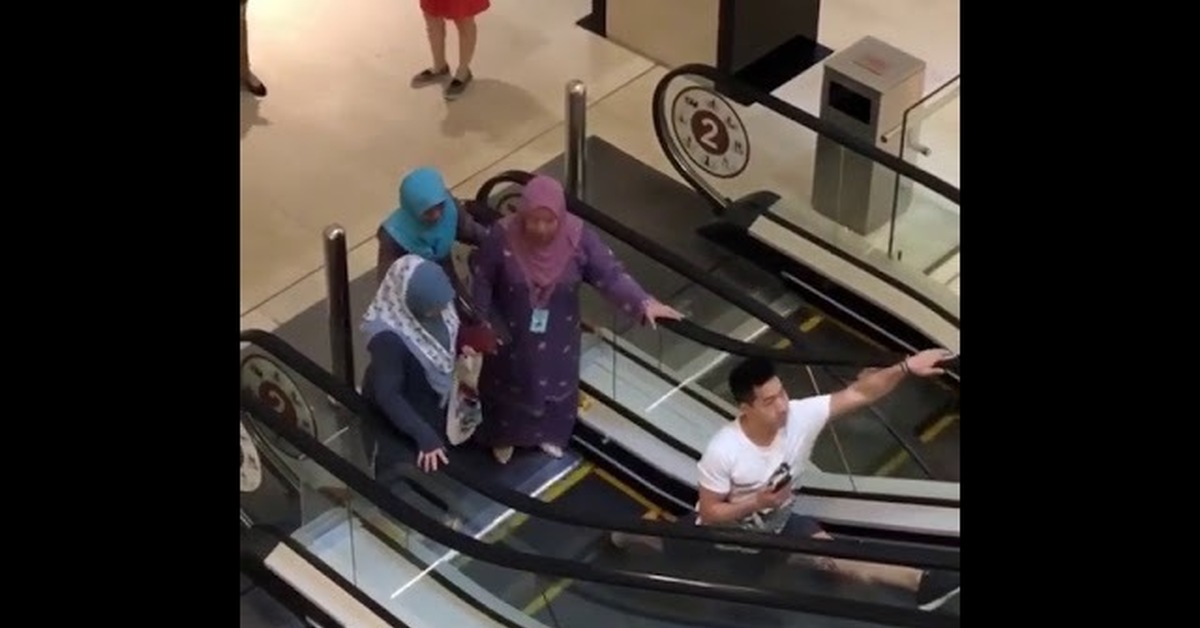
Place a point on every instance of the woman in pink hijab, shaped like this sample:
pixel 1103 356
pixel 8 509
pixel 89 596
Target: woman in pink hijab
pixel 526 275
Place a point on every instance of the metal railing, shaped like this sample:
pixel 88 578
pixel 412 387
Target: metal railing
pixel 337 286
pixel 575 155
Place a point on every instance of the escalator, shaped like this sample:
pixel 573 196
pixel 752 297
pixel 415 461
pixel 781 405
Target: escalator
pixel 662 394
pixel 424 547
pixel 898 437
pixel 782 185
pixel 652 399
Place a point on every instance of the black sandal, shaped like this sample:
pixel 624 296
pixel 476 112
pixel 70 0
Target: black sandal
pixel 255 87
pixel 430 76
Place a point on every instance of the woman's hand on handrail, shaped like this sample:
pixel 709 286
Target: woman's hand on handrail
pixel 655 310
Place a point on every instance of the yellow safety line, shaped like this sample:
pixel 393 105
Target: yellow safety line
pixel 627 490
pixel 552 493
pixel 562 486
pixel 926 436
pixel 939 426
pixel 846 328
pixel 806 326
pixel 549 594
pixel 556 589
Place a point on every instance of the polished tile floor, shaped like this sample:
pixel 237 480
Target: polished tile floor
pixel 341 123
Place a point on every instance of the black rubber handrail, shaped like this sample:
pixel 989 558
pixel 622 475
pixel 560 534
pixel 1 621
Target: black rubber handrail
pixel 723 83
pixel 410 516
pixel 349 399
pixel 726 290
pixel 466 545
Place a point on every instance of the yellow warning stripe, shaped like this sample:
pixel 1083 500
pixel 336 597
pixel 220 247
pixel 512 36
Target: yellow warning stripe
pixel 546 597
pixel 926 436
pixel 627 490
pixel 847 328
pixel 806 326
pixel 553 591
pixel 560 487
pixel 551 493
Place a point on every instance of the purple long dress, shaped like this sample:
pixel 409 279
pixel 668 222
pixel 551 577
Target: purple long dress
pixel 530 388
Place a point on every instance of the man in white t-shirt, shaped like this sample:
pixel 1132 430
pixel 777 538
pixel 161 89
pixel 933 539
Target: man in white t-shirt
pixel 749 469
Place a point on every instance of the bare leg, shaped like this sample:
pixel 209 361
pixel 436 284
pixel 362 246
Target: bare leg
pixel 623 540
pixel 251 81
pixel 467 37
pixel 435 27
pixel 875 573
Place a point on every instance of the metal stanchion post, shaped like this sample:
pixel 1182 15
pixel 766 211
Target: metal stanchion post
pixel 337 283
pixel 575 157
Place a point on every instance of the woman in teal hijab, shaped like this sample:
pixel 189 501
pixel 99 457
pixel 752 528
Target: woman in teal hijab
pixel 427 223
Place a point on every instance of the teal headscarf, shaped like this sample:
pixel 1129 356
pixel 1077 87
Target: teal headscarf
pixel 420 190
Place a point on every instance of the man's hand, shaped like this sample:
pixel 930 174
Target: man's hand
pixel 925 363
pixel 428 460
pixel 768 499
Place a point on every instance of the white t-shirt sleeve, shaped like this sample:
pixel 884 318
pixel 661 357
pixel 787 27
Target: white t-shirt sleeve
pixel 714 468
pixel 809 415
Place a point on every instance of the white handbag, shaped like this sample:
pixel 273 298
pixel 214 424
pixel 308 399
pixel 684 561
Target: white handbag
pixel 464 413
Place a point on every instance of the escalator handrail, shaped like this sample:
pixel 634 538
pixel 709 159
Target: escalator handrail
pixel 726 290
pixel 353 402
pixel 727 84
pixel 704 336
pixel 466 545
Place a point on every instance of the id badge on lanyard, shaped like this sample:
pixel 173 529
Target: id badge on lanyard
pixel 539 320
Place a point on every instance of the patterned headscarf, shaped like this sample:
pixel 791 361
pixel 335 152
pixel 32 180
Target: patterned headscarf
pixel 413 282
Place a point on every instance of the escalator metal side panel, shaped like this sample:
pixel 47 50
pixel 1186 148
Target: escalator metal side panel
pixel 283 585
pixel 938 329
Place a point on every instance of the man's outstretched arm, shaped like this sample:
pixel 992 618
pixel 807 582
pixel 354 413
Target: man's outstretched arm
pixel 875 384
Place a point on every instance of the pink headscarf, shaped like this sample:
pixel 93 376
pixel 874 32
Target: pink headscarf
pixel 543 265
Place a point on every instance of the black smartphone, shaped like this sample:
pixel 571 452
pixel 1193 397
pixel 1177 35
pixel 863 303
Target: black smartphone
pixel 782 477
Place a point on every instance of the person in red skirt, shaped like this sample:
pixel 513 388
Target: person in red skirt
pixel 462 13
